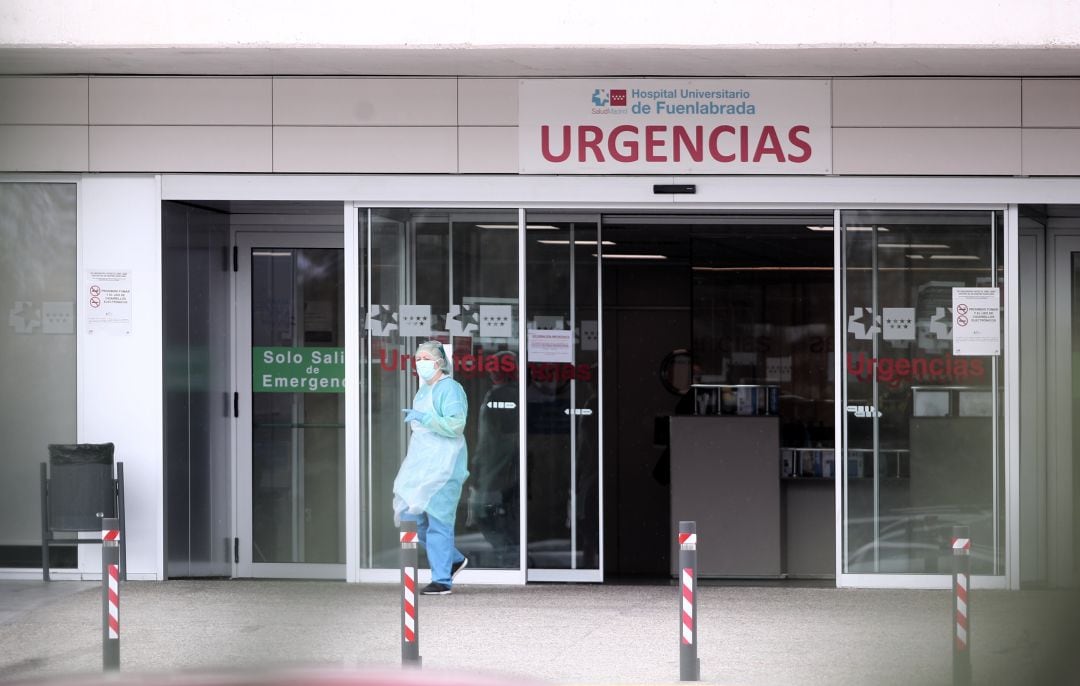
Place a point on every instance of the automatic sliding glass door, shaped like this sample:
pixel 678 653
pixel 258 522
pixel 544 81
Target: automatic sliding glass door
pixel 922 390
pixel 453 277
pixel 562 398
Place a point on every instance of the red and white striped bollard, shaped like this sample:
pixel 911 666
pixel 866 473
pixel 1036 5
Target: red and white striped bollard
pixel 689 664
pixel 410 611
pixel 961 547
pixel 110 593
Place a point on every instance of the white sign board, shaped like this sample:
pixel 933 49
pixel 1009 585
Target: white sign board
pixel 976 321
pixel 108 301
pixel 551 345
pixel 671 126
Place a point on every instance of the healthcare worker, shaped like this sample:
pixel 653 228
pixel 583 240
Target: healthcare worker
pixel 428 484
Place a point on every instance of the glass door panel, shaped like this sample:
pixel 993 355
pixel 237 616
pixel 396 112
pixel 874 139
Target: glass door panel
pixel 292 457
pixel 562 398
pixel 452 277
pixel 1063 409
pixel 922 398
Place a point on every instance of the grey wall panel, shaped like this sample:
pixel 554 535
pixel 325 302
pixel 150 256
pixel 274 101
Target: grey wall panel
pixel 488 150
pixel 926 151
pixel 1051 102
pixel 926 102
pixel 365 102
pixel 180 148
pixel 45 100
pixel 487 102
pixel 365 150
pixel 1051 152
pixel 180 101
pixel 43 148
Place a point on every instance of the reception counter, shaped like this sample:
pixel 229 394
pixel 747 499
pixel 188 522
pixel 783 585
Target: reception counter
pixel 725 476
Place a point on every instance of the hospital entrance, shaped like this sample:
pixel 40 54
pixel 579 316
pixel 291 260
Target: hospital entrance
pixel 714 340
pixel 624 371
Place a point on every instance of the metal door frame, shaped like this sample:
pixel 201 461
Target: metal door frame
pixel 244 242
pixel 572 574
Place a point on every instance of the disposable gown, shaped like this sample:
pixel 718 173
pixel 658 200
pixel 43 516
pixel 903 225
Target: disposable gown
pixel 435 466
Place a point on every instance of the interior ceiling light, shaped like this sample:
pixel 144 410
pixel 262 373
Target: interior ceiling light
pixel 762 269
pixel 567 242
pixel 954 257
pixel 916 246
pixel 543 227
pixel 914 257
pixel 865 228
pixel 626 256
pixel 820 228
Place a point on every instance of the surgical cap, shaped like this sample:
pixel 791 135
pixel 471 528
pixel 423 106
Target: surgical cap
pixel 435 349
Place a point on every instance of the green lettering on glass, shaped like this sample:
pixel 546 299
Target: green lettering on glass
pixel 297 370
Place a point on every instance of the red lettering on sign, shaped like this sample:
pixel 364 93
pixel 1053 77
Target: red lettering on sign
pixel 661 143
pixel 769 144
pixel 629 146
pixel 714 148
pixel 694 148
pixel 652 142
pixel 793 137
pixel 895 370
pixel 589 138
pixel 545 144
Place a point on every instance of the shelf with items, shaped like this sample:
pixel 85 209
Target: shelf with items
pixel 807 463
pixel 742 400
pixel 820 463
pixel 895 463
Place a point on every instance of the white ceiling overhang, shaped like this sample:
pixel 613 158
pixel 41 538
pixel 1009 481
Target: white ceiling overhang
pixel 548 61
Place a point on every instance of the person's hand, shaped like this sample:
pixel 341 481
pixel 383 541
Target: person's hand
pixel 414 416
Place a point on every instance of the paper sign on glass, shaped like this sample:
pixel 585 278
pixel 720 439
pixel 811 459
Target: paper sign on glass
pixel 551 345
pixel 976 321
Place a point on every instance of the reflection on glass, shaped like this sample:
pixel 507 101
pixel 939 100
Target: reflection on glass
pixel 763 318
pixel 562 407
pixel 298 438
pixel 923 419
pixel 451 276
pixel 1075 368
pixel 37 347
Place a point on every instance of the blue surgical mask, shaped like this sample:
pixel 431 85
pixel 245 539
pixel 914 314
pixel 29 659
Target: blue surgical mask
pixel 426 369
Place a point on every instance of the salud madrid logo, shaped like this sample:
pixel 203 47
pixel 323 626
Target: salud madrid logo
pixel 602 97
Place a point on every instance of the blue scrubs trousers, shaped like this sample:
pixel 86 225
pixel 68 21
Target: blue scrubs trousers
pixel 438 540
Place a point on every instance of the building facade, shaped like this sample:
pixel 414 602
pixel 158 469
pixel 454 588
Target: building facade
pixel 826 313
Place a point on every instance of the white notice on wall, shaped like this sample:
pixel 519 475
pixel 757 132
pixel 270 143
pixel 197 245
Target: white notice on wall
pixel 108 301
pixel 551 345
pixel 976 321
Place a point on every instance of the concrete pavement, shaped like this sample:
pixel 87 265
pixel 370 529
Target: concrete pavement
pixel 558 633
